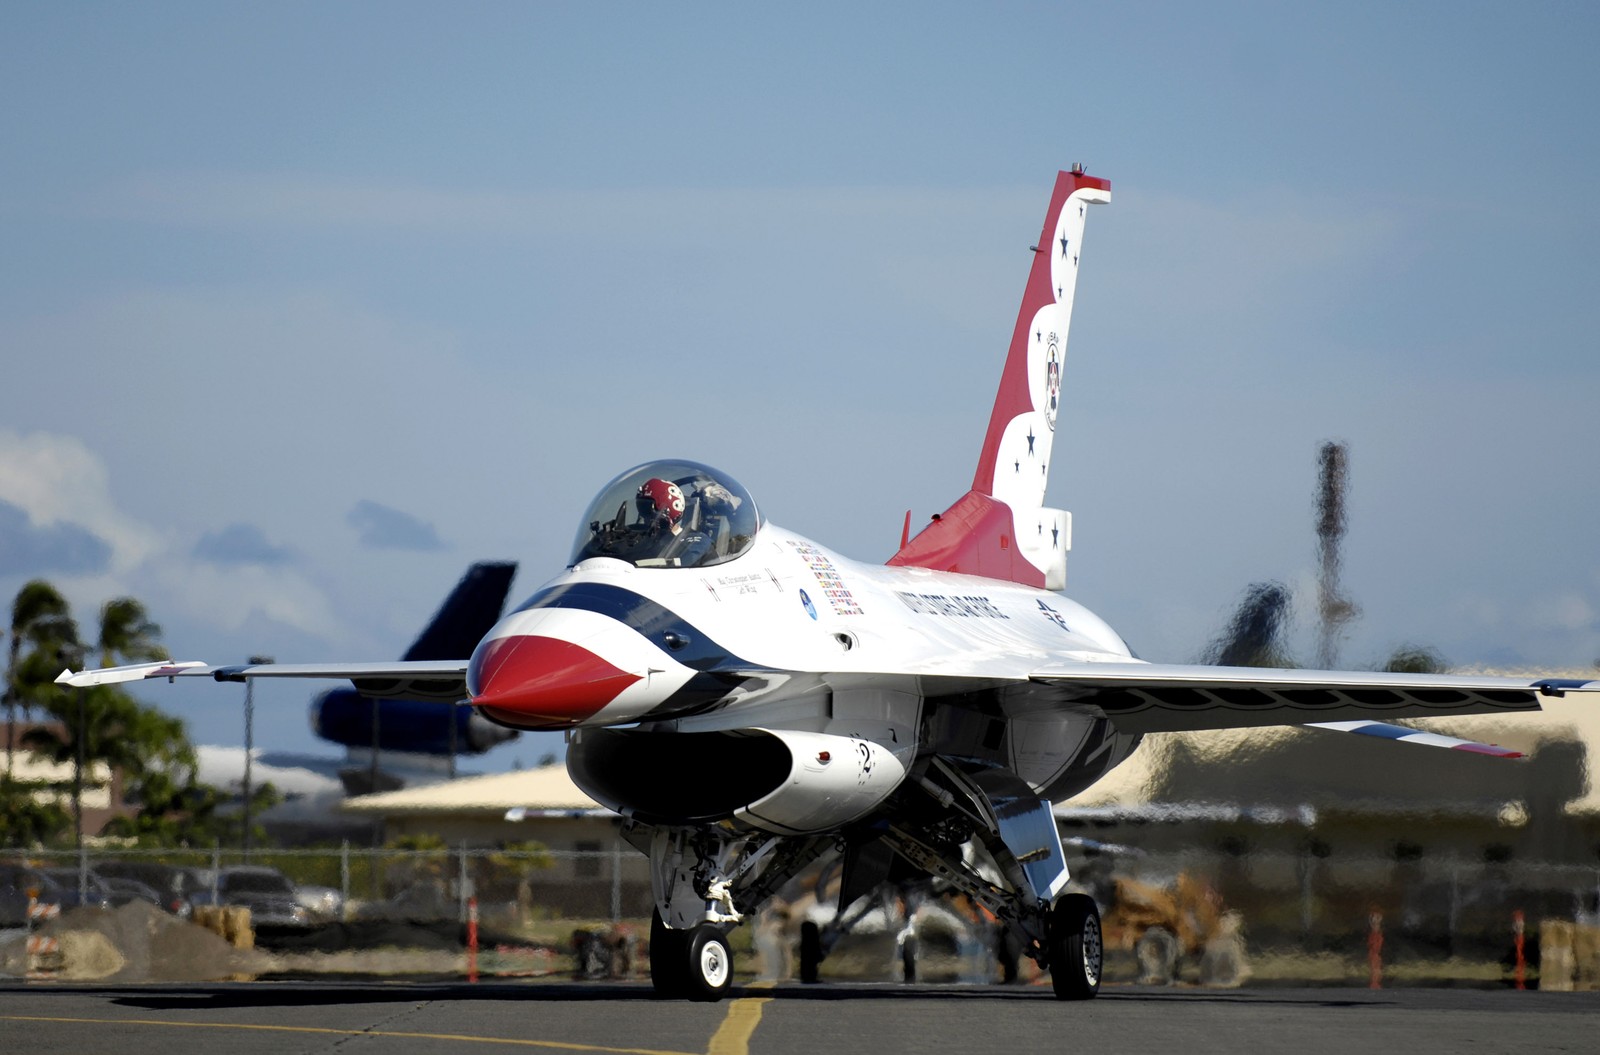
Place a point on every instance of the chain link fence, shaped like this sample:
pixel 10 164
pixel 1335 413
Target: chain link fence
pixel 1287 918
pixel 604 884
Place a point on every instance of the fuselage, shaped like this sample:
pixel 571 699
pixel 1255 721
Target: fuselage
pixel 609 643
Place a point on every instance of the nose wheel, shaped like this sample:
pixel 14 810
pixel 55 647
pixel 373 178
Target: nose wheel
pixel 693 964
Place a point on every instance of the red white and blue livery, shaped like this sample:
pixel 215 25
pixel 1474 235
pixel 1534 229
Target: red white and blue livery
pixel 748 699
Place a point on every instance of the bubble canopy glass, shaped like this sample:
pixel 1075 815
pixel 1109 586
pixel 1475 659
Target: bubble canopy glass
pixel 718 520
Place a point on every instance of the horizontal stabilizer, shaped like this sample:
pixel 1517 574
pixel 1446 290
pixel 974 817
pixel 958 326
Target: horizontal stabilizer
pixel 1416 736
pixel 132 672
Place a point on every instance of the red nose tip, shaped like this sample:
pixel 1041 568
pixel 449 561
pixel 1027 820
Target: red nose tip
pixel 542 681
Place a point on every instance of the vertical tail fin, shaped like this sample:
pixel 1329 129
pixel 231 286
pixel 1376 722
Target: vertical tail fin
pixel 1001 529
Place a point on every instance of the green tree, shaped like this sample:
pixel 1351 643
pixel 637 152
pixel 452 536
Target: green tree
pixel 1415 659
pixel 127 634
pixel 102 723
pixel 177 810
pixel 29 815
pixel 42 622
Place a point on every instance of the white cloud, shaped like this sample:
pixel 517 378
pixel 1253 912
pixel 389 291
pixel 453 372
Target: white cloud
pixel 56 479
pixel 228 598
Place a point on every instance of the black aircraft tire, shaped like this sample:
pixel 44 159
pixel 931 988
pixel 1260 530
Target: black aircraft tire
pixel 1076 950
pixel 669 959
pixel 708 965
pixel 810 952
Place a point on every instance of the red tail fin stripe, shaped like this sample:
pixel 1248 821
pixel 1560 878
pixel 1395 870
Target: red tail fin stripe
pixel 1030 382
pixel 1000 529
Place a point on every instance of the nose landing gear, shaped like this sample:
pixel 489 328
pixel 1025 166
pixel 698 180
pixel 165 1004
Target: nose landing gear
pixel 693 964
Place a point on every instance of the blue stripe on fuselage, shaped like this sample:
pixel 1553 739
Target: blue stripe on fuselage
pixel 650 619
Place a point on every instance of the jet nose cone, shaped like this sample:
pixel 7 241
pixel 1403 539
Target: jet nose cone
pixel 542 682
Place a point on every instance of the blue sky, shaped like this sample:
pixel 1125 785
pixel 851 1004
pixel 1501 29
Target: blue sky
pixel 305 307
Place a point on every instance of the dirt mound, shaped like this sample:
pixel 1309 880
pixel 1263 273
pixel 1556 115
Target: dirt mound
pixel 140 943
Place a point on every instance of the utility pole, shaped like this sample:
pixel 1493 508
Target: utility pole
pixel 74 656
pixel 372 773
pixel 249 743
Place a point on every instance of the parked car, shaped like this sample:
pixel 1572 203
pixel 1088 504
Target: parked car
pixel 64 886
pixel 268 894
pixel 13 895
pixel 55 886
pixel 174 886
pixel 124 890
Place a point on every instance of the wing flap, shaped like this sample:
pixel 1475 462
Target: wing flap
pixel 1157 697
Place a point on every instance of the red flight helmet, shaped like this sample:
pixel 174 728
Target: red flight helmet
pixel 660 498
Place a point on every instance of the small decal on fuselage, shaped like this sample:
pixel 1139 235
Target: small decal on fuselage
pixel 742 585
pixel 1054 616
pixel 966 606
pixel 838 595
pixel 810 608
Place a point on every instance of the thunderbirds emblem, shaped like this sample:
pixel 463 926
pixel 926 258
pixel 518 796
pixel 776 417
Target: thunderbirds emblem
pixel 1052 379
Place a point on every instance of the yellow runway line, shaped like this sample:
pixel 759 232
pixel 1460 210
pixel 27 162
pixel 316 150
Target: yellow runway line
pixel 744 1015
pixel 464 1038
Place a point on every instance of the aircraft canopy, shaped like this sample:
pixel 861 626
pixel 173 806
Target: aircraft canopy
pixel 669 514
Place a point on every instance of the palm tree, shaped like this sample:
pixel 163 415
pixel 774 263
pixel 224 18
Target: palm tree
pixel 41 618
pixel 102 722
pixel 127 633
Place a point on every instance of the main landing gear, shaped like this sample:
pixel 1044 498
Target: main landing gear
pixel 706 880
pixel 693 964
pixel 1075 950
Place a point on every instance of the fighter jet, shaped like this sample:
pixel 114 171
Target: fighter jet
pixel 748 700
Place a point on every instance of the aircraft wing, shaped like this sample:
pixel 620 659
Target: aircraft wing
pixel 1160 697
pixel 443 680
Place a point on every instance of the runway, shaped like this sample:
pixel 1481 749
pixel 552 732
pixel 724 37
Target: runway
pixel 407 1018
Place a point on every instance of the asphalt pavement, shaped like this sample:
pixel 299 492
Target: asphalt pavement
pixel 790 1019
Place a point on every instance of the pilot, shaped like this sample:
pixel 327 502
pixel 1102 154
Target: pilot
pixel 661 504
pixel 675 525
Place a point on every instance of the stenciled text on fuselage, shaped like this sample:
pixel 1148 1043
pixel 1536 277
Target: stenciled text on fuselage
pixel 964 607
